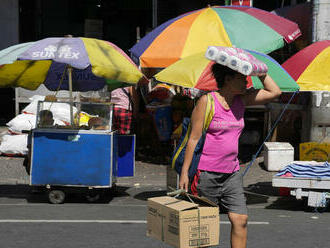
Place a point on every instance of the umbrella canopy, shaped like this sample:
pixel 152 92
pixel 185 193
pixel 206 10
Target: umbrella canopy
pixel 95 63
pixel 301 14
pixel 310 67
pixel 195 72
pixel 193 32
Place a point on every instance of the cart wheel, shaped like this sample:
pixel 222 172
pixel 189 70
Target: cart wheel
pixel 56 196
pixel 93 196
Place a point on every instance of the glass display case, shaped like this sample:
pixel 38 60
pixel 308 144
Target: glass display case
pixel 85 115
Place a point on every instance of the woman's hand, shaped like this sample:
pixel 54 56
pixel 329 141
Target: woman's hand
pixel 184 181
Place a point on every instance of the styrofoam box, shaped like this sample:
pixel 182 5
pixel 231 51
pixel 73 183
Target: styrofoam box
pixel 277 155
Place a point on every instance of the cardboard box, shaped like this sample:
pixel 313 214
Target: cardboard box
pixel 181 223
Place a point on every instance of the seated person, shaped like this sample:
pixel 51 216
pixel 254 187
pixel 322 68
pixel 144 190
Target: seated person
pixel 97 123
pixel 45 118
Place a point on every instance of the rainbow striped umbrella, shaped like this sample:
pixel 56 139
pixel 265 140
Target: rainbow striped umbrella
pixel 310 67
pixel 94 64
pixel 241 26
pixel 195 72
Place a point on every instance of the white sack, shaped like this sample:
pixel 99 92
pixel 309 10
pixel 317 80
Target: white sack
pixel 61 111
pixel 22 122
pixel 14 144
pixel 26 122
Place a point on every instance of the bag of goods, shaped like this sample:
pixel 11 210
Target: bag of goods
pixel 21 122
pixel 237 59
pixel 61 111
pixel 26 122
pixel 14 145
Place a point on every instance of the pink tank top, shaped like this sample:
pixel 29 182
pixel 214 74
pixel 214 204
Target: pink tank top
pixel 220 149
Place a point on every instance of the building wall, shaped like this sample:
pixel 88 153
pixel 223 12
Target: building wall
pixel 9 19
pixel 321 23
pixel 9 23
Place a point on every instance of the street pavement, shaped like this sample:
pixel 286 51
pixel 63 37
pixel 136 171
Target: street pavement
pixel 256 180
pixel 28 220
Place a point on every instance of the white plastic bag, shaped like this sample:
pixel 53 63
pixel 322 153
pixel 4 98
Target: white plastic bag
pixel 14 144
pixel 32 107
pixel 22 122
pixel 26 122
pixel 61 111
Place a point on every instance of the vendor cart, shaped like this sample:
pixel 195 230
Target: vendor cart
pixel 87 156
pixel 316 190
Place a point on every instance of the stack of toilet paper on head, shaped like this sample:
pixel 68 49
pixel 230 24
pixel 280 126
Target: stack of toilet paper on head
pixel 237 59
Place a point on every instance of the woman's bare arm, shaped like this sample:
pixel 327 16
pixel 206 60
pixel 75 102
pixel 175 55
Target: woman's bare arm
pixel 197 120
pixel 270 92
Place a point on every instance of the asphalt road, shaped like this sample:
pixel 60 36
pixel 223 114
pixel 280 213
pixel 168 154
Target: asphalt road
pixel 28 220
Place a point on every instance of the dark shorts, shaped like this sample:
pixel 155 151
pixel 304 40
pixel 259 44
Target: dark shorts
pixel 122 120
pixel 224 189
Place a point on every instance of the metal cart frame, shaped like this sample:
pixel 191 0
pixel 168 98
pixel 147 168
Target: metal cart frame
pixel 69 160
pixel 317 190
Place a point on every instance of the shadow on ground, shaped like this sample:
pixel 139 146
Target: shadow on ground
pixel 278 198
pixel 259 192
pixel 72 195
pixel 148 194
pixel 290 203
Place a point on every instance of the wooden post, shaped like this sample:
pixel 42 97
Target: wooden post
pixel 70 94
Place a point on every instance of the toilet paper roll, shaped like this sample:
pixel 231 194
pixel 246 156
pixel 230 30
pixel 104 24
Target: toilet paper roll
pixel 222 58
pixel 244 57
pixel 237 59
pixel 259 69
pixel 230 50
pixel 211 53
pixel 234 63
pixel 246 68
pixel 250 65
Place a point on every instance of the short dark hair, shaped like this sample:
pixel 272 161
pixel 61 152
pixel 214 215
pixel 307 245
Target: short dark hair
pixel 45 113
pixel 220 72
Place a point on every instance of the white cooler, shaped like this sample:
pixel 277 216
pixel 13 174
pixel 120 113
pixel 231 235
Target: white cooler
pixel 277 155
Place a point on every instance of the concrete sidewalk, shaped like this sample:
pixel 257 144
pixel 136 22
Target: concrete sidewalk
pixel 257 179
pixel 257 182
pixel 146 174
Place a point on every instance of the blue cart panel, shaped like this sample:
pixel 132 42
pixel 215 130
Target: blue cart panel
pixel 73 158
pixel 126 155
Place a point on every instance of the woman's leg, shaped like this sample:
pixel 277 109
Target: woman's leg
pixel 233 199
pixel 229 189
pixel 238 230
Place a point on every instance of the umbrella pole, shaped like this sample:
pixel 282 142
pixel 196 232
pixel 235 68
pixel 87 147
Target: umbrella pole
pixel 70 95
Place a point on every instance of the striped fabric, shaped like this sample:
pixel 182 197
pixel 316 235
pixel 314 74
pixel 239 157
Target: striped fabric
pixel 306 170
